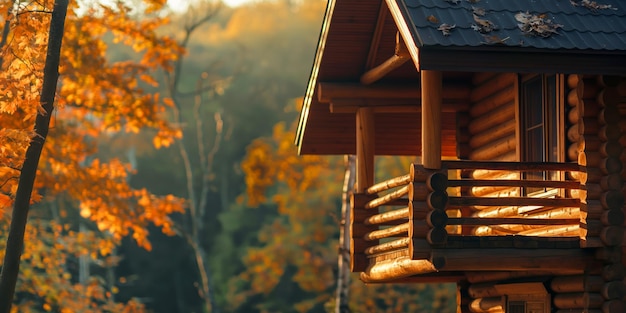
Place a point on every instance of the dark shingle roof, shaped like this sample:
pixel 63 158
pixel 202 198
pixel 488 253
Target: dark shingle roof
pixel 581 27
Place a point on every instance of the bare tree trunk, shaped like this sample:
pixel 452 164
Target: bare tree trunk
pixel 15 241
pixel 343 275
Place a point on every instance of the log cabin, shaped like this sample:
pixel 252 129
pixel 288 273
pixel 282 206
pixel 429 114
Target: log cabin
pixel 516 111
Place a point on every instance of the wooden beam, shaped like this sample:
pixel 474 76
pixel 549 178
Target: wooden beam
pixel 431 119
pixel 512 259
pixel 345 105
pixel 400 57
pixel 396 268
pixel 333 91
pixel 365 137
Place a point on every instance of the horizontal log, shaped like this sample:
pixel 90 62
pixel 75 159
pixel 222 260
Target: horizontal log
pixel 517 242
pixel 520 201
pixel 579 311
pixel 437 218
pixel 612 199
pixel 613 290
pixel 577 283
pixel 488 136
pixel 572 152
pixel 553 231
pixel 488 305
pixel 613 217
pixel 613 306
pixel 388 246
pixel 389 184
pixel 437 200
pixel 510 166
pixel 433 178
pixel 418 191
pixel 494 148
pixel 511 221
pixel 388 217
pixel 609 254
pixel 572 132
pixel 612 182
pixel 418 229
pixel 394 269
pixel 586 300
pixel 591 175
pixel 574 97
pixel 499 99
pixel 491 276
pixel 573 212
pixel 608 165
pixel 358 230
pixel 479 78
pixel 437 236
pixel 391 255
pixel 611 148
pixel 589 126
pixel 386 199
pixel 609 115
pixel 574 81
pixel 609 80
pixel 612 235
pixel 419 249
pixel 511 259
pixel 590 228
pixel 502 81
pixel 402 229
pixel 573 114
pixel 418 210
pixel 489 191
pixel 494 175
pixel 613 272
pixel 358 262
pixel 498 116
pixel 329 91
pixel 610 133
pixel 514 183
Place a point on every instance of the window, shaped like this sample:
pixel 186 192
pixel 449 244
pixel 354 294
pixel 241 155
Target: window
pixel 540 124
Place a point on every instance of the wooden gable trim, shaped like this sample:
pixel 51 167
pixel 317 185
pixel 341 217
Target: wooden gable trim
pixel 308 97
pixel 405 31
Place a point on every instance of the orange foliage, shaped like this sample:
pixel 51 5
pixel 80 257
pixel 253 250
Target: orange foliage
pixel 95 97
pixel 305 190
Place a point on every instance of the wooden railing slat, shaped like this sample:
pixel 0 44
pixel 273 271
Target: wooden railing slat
pixel 402 229
pixel 388 184
pixel 511 221
pixel 519 201
pixel 388 246
pixel 387 217
pixel 511 166
pixel 513 183
pixel 397 194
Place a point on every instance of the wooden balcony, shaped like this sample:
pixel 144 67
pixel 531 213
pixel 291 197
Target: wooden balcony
pixel 490 218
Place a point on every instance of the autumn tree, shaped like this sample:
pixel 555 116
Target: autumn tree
pixel 95 97
pixel 297 255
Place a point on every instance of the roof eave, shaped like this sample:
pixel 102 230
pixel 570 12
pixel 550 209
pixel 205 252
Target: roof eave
pixel 304 113
pixel 523 60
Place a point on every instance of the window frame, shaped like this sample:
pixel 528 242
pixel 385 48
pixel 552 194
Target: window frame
pixel 552 125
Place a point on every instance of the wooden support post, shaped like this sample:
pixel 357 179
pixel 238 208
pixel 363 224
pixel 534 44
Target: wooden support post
pixel 431 118
pixel 365 136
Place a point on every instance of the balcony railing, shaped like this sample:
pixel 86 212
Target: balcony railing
pixel 425 215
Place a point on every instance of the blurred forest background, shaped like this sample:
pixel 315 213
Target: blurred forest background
pixel 261 225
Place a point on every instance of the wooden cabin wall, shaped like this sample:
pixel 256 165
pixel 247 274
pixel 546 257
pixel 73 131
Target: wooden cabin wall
pixel 601 150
